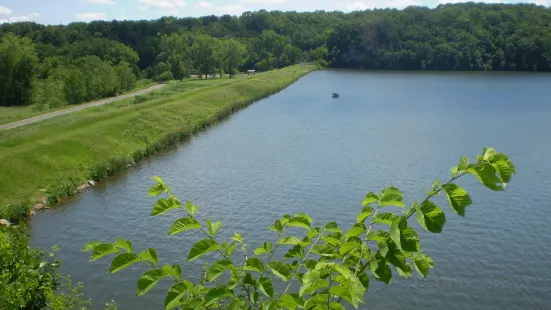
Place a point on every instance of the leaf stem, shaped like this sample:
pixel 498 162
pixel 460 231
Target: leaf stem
pixel 292 277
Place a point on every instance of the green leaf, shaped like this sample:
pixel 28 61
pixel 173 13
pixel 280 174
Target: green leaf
pixel 344 293
pixel 270 304
pixel 149 279
pixel 254 264
pixel 237 304
pixel 335 306
pixel 237 237
pixel 422 264
pixel 217 293
pixel 463 164
pixel 431 217
pixel 378 235
pixel 123 261
pixel 291 240
pixel 325 250
pixel 354 232
pixel 366 212
pixel 124 244
pixel 277 227
pixel 350 245
pixel 299 222
pixel 218 268
pixel 183 224
pixel 314 232
pixel 164 205
pixel 458 198
pixel 311 280
pixel 291 301
pixel 370 198
pixel 248 279
pixel 90 245
pixel 280 269
pixel 266 248
pixel 385 218
pixel 391 196
pixel 201 248
pixel 317 302
pixel 332 227
pixel 174 296
pixel 409 240
pixel 150 255
pixel 259 251
pixel 175 270
pixel 504 167
pixel 213 228
pixel 398 259
pixel 232 282
pixel 158 180
pixel 266 286
pixel 304 216
pixel 102 250
pixel 296 251
pixel 309 263
pixel 380 270
pixel 331 240
pixel 158 188
pixel 191 208
pixel 486 173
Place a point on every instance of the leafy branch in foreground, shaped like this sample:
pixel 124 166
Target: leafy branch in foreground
pixel 326 264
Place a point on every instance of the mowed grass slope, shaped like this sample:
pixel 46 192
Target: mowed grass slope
pixel 36 158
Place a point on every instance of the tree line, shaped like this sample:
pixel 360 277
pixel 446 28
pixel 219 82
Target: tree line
pixel 69 59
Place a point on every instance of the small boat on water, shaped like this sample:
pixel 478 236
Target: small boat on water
pixel 335 95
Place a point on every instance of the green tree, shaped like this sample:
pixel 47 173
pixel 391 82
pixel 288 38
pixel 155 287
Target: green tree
pixel 175 50
pixel 126 77
pixel 17 65
pixel 205 55
pixel 233 55
pixel 323 266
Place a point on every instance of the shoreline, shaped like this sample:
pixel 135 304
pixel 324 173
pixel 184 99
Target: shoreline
pixel 72 184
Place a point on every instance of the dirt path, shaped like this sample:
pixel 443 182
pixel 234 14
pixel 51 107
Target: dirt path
pixel 78 108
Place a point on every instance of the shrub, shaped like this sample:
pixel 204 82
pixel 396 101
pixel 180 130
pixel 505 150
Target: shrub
pixel 329 265
pixel 165 77
pixel 26 274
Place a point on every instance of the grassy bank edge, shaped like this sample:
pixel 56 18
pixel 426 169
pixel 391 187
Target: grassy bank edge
pixel 70 186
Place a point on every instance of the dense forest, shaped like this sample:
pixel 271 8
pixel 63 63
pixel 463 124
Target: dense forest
pixel 67 64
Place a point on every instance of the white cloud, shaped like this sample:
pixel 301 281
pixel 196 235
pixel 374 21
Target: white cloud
pixel 4 10
pixel 101 1
pixel 171 6
pixel 203 5
pixel 91 16
pixel 22 18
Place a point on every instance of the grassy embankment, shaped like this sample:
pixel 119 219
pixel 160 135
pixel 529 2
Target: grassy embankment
pixel 52 158
pixel 14 114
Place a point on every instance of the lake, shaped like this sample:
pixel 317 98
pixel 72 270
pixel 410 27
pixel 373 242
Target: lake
pixel 302 151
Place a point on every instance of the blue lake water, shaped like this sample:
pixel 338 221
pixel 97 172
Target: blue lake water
pixel 302 151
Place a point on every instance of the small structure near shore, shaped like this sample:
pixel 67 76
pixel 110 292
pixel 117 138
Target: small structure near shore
pixel 335 95
pixel 251 72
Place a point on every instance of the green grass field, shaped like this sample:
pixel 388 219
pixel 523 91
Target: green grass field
pixel 14 114
pixel 41 157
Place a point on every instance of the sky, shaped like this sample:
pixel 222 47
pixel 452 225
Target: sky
pixel 66 11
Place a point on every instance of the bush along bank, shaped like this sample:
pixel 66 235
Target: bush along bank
pixel 72 184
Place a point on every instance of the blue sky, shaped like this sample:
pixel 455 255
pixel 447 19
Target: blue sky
pixel 65 11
